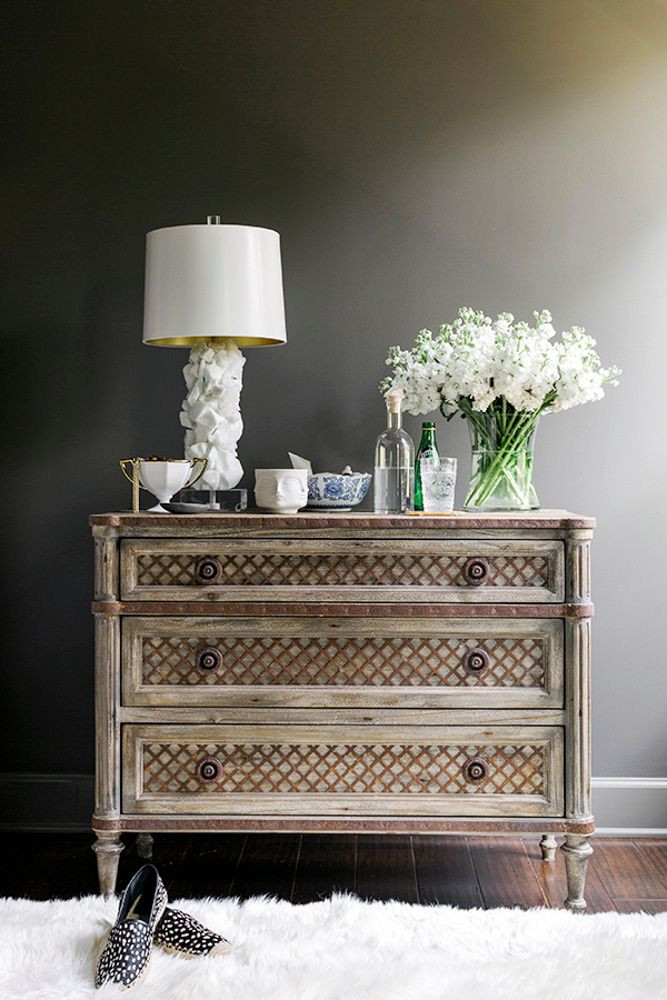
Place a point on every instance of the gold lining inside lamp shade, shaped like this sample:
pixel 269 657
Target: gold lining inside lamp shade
pixel 213 341
pixel 211 284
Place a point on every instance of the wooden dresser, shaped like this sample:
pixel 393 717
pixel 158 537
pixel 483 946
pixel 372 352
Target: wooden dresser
pixel 343 672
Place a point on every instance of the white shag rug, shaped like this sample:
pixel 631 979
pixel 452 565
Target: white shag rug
pixel 346 949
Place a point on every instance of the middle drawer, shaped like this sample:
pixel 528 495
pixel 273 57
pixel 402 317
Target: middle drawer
pixel 338 662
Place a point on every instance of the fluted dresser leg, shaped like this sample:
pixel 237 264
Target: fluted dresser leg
pixel 577 851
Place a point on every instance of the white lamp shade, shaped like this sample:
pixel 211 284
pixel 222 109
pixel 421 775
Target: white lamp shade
pixel 213 282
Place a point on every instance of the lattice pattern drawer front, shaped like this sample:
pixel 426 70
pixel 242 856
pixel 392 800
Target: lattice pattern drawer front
pixel 341 570
pixel 422 770
pixel 371 570
pixel 282 661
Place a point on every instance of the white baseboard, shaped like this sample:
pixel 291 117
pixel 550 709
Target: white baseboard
pixel 623 807
pixel 630 807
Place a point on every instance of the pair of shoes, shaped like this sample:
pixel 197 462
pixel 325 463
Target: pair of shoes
pixel 145 919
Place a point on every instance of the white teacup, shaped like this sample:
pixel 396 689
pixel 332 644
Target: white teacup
pixel 282 491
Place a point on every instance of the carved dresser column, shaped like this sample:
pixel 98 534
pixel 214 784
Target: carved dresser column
pixel 107 697
pixel 576 848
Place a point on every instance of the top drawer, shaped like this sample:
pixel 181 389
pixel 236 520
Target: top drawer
pixel 429 571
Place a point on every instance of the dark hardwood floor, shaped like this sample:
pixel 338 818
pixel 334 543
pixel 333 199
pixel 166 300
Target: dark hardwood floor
pixel 623 875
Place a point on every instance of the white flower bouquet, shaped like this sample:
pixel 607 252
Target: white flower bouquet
pixel 500 375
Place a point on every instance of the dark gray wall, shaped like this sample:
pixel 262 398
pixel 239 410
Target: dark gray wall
pixel 415 156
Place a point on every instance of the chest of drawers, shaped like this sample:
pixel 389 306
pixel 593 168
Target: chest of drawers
pixel 345 672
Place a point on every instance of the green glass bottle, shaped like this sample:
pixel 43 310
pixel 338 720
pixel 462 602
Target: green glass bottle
pixel 428 449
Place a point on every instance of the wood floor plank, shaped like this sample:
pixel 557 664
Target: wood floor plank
pixel 72 868
pixel 641 905
pixel 267 866
pixel 627 873
pixel 653 856
pixel 50 866
pixel 386 868
pixel 75 872
pixel 9 846
pixel 553 882
pixel 445 872
pixel 169 853
pixel 207 867
pixel 327 864
pixel 505 873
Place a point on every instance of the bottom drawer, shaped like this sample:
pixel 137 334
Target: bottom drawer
pixel 299 770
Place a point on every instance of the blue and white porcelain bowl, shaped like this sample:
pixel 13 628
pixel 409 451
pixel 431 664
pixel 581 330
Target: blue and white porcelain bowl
pixel 335 491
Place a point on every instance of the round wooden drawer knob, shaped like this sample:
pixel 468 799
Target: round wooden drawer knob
pixel 208 769
pixel 476 571
pixel 475 770
pixel 209 658
pixel 208 570
pixel 476 661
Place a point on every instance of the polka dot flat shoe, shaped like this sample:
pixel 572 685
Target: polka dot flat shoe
pixel 126 954
pixel 181 934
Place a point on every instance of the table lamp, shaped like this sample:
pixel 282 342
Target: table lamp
pixel 215 289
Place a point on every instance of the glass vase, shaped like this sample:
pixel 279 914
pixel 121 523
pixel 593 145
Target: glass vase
pixel 501 475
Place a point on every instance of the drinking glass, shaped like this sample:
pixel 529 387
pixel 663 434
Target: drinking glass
pixel 438 484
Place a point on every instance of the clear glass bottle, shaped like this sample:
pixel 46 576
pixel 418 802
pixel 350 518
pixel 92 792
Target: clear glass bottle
pixel 428 452
pixel 394 462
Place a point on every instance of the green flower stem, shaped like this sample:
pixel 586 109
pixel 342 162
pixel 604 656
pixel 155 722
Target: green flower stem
pixel 504 472
pixel 519 430
pixel 499 469
pixel 500 464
